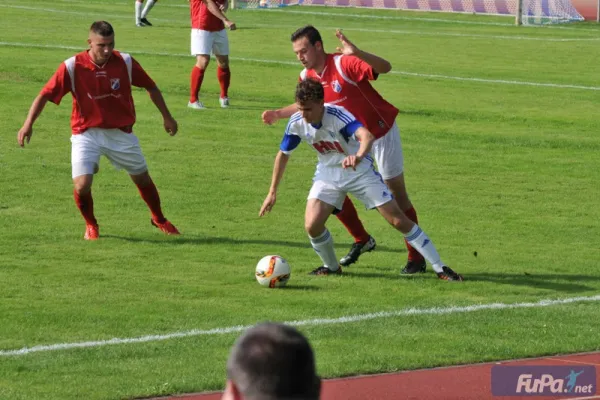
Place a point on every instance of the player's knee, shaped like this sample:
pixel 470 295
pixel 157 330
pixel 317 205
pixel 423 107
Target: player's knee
pixel 402 224
pixel 202 62
pixel 82 184
pixel 313 230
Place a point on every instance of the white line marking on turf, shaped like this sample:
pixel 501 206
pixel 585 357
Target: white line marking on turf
pixel 431 76
pixel 442 34
pixel 331 28
pixel 307 322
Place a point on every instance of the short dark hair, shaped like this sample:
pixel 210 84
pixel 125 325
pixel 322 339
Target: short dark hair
pixel 309 32
pixel 273 361
pixel 102 28
pixel 309 90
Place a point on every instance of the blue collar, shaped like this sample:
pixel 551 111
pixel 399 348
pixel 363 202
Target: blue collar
pixel 317 125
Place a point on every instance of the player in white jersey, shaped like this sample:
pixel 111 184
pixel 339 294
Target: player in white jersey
pixel 345 167
pixel 141 14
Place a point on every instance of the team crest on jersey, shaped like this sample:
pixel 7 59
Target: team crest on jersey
pixel 336 86
pixel 115 83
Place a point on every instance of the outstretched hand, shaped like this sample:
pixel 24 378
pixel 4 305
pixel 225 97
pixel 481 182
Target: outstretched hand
pixel 269 117
pixel 24 135
pixel 268 204
pixel 348 48
pixel 171 126
pixel 351 162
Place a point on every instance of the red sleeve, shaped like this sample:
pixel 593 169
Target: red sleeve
pixel 139 77
pixel 58 86
pixel 358 70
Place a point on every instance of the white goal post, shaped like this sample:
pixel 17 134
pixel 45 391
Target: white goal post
pixel 526 12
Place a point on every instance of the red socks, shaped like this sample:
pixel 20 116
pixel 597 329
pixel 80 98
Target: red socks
pixel 349 217
pixel 150 195
pixel 196 83
pixel 85 203
pixel 224 76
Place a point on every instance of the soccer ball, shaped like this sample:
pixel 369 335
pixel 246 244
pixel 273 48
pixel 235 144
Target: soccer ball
pixel 273 271
pixel 263 3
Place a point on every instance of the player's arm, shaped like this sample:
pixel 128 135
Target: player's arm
pixel 366 139
pixel 159 101
pixel 379 65
pixel 34 112
pixel 140 78
pixel 269 117
pixel 215 10
pixel 281 161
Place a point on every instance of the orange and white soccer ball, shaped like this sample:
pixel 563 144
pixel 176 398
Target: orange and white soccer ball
pixel 273 271
pixel 263 3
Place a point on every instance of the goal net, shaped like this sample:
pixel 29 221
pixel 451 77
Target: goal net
pixel 533 12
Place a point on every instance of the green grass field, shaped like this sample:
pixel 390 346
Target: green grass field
pixel 496 163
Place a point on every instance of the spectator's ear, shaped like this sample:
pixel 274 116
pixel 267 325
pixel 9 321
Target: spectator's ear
pixel 231 392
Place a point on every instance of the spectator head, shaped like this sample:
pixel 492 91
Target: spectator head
pixel 272 361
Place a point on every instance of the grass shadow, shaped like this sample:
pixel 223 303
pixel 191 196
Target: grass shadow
pixel 208 240
pixel 557 282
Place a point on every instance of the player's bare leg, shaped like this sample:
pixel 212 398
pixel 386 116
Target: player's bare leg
pixel 363 242
pixel 150 195
pixel 416 262
pixel 315 217
pixel 202 61
pixel 82 193
pixel 224 77
pixel 417 239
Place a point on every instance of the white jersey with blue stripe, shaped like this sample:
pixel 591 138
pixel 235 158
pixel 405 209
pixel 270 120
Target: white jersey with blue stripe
pixel 333 139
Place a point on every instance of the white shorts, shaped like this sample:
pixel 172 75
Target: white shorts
pixel 205 42
pixel 367 187
pixel 387 152
pixel 122 149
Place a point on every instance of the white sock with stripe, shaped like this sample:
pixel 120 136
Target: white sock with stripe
pixel 323 246
pixel 420 241
pixel 149 5
pixel 138 12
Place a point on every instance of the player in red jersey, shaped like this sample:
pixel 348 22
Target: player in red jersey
pixel 100 80
pixel 346 77
pixel 209 35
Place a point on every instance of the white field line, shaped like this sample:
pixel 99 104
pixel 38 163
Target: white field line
pixel 307 322
pixel 436 34
pixel 332 28
pixel 365 16
pixel 264 61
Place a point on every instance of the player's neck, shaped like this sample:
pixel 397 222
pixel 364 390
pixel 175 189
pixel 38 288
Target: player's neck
pixel 320 67
pixel 98 63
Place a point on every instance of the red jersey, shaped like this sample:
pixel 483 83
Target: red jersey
pixel 101 95
pixel 203 19
pixel 346 83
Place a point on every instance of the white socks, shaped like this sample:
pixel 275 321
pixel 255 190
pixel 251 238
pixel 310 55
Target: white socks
pixel 149 5
pixel 323 246
pixel 420 241
pixel 138 12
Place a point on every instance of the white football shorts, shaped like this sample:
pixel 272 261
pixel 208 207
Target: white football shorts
pixel 368 187
pixel 387 152
pixel 205 42
pixel 122 149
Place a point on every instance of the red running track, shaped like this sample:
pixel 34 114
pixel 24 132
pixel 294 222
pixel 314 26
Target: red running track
pixel 466 382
